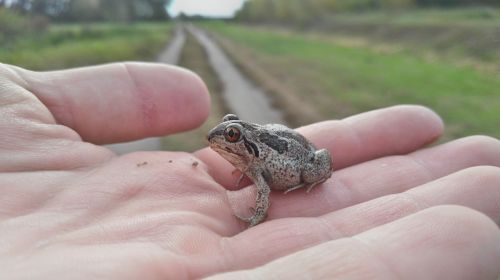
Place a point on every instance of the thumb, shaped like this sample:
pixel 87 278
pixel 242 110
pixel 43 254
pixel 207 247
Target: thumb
pixel 122 101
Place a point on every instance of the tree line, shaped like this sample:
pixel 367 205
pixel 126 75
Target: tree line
pixel 90 10
pixel 302 10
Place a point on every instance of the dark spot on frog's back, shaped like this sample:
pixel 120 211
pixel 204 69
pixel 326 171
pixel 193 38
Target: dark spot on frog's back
pixel 274 142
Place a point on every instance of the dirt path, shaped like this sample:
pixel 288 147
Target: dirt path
pixel 245 99
pixel 171 53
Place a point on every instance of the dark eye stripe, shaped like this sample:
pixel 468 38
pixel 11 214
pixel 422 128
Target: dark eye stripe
pixel 251 147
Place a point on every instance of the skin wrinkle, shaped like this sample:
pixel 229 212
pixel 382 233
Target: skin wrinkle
pixel 328 229
pixel 417 202
pixel 386 203
pixel 355 136
pixel 54 191
pixel 55 110
pixel 385 262
pixel 148 108
pixel 16 74
pixel 421 173
pixel 115 231
pixel 429 173
pixel 159 180
pixel 57 226
pixel 490 178
pixel 228 254
pixel 353 192
pixel 329 197
pixel 9 90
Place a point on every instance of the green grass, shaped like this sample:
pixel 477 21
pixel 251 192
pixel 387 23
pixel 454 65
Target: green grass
pixel 341 80
pixel 74 45
pixel 460 16
pixel 469 33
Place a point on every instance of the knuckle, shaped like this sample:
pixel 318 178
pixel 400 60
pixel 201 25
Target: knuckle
pixel 469 221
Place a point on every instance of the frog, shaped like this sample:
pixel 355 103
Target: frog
pixel 273 156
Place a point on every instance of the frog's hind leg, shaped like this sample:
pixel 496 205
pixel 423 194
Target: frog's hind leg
pixel 261 203
pixel 318 170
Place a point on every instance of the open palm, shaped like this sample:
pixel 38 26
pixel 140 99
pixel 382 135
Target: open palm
pixel 73 210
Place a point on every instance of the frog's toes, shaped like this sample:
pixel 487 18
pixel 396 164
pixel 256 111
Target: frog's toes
pixel 293 188
pixel 246 220
pixel 234 171
pixel 252 220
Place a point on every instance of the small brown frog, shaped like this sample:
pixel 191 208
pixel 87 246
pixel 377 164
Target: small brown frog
pixel 273 156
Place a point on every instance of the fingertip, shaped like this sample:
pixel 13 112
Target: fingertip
pixel 180 101
pixel 406 127
pixel 196 99
pixel 425 115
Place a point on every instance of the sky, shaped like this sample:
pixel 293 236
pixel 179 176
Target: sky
pixel 210 8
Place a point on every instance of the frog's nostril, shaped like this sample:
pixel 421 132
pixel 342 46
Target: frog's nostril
pixel 210 137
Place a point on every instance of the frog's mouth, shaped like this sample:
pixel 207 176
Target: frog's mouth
pixel 223 149
pixel 227 153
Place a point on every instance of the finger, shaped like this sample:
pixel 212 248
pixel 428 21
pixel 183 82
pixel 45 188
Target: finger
pixel 448 241
pixel 476 188
pixel 381 177
pixel 122 101
pixel 394 130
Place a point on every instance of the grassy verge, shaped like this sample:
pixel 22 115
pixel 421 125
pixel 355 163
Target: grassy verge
pixel 466 42
pixel 484 16
pixel 64 46
pixel 194 57
pixel 340 80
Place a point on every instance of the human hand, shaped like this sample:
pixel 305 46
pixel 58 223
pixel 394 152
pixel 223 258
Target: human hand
pixel 71 209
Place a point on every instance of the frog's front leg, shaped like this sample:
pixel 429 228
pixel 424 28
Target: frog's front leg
pixel 262 201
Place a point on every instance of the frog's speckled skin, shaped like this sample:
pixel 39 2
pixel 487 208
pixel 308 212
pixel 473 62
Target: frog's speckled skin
pixel 273 156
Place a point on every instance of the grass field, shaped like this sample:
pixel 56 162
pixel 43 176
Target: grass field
pixel 463 16
pixel 63 46
pixel 339 80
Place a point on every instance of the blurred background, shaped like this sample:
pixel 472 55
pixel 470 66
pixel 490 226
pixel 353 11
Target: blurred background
pixel 288 61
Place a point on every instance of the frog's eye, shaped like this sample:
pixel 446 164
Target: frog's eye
pixel 232 134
